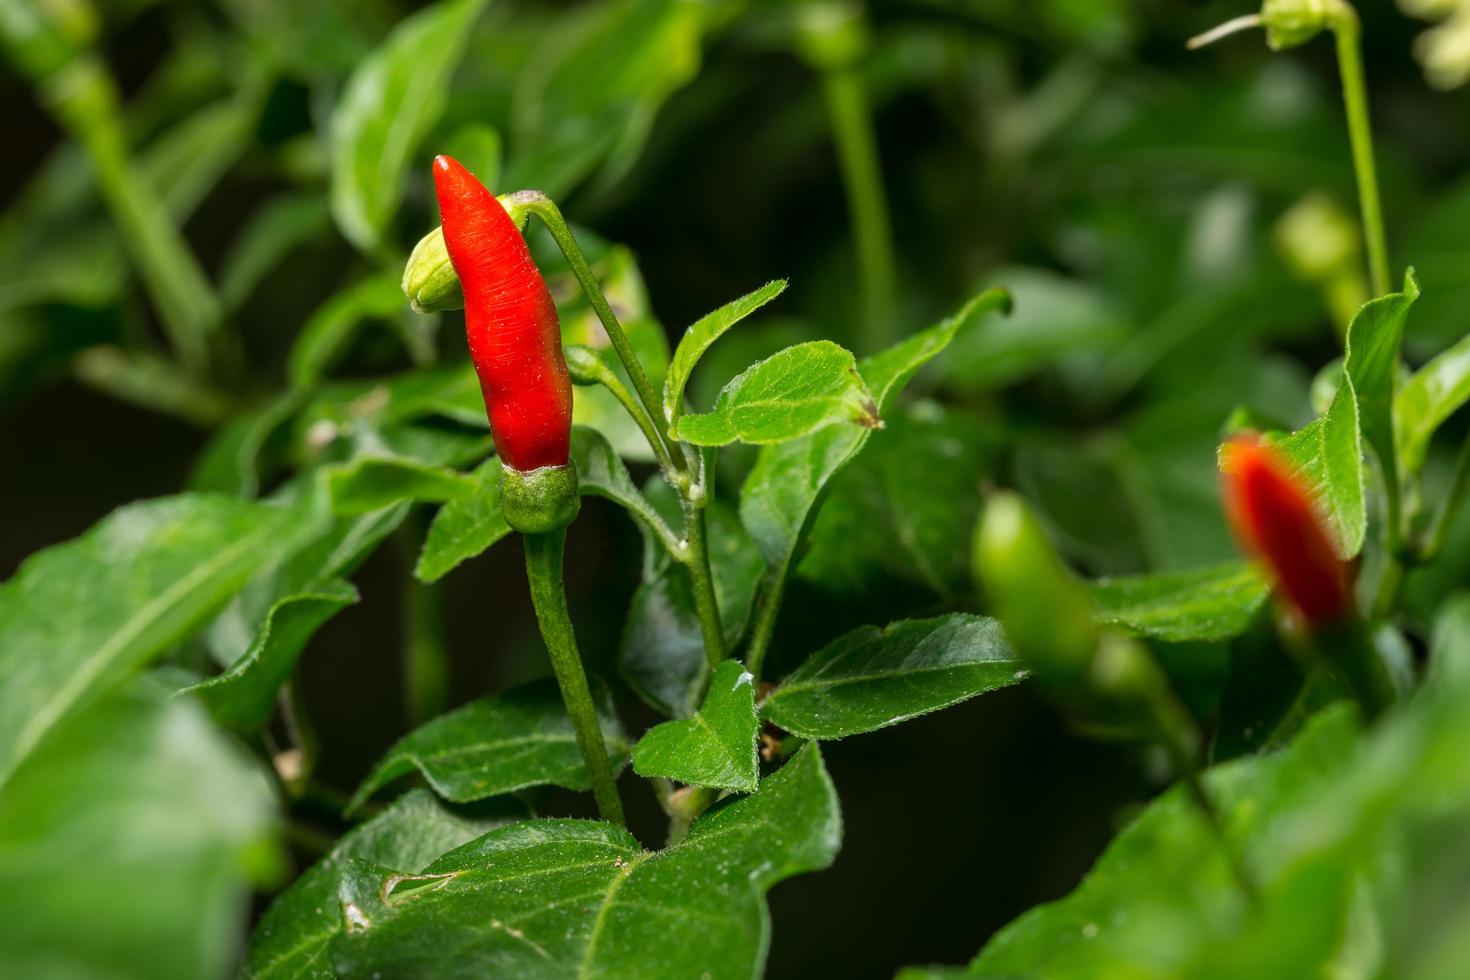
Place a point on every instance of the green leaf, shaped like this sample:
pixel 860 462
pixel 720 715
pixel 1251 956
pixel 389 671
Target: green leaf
pixel 1169 917
pixel 662 654
pixel 497 745
pixel 1055 318
pixel 781 492
pixel 703 333
pixel 1430 396
pixel 330 328
pixel 388 105
pixel 369 483
pixel 788 395
pixel 1372 362
pixel 1216 603
pixel 1329 456
pixel 600 905
pixel 717 747
pixel 293 936
pixel 78 617
pixel 244 696
pixel 136 817
pixel 879 522
pixel 872 678
pixel 465 527
pixel 273 231
pixel 594 88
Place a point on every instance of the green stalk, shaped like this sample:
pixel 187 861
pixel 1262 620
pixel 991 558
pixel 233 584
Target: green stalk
pixel 1444 519
pixel 588 367
pixel 1348 648
pixel 768 607
pixel 545 208
pixel 706 606
pixel 1347 29
pixel 862 179
pixel 544 554
pixel 84 99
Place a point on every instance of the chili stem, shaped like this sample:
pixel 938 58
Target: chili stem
pixel 545 209
pixel 767 609
pixel 857 151
pixel 706 606
pixel 1347 29
pixel 544 554
pixel 1439 531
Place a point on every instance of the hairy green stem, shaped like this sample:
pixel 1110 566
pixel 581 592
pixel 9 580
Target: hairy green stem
pixel 768 607
pixel 545 208
pixel 544 554
pixel 857 150
pixel 706 606
pixel 589 367
pixel 1347 29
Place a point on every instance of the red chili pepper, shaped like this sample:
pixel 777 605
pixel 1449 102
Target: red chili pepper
pixel 1276 520
pixel 510 322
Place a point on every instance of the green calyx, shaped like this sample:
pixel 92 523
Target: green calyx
pixel 429 279
pixel 542 500
pixel 1290 23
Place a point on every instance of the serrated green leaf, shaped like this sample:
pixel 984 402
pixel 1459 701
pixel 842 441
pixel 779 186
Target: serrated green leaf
pixel 370 483
pixel 788 395
pixel 601 905
pixel 1205 604
pixel 498 745
pixel 1432 394
pixel 391 101
pixel 1328 454
pixel 80 616
pixel 703 333
pixel 872 678
pixel 136 817
pixel 293 936
pixel 662 654
pixel 1372 362
pixel 243 696
pixel 781 491
pixel 716 747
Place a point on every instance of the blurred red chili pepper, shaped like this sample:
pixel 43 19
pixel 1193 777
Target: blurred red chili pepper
pixel 510 322
pixel 1276 520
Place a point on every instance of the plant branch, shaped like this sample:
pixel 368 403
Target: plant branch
pixel 545 208
pixel 1347 30
pixel 544 554
pixel 768 607
pixel 706 606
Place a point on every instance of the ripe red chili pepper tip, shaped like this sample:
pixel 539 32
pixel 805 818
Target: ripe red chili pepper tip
pixel 1276 520
pixel 510 322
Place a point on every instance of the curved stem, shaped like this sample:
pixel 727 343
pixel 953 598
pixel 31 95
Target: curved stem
pixel 1444 519
pixel 545 208
pixel 588 367
pixel 862 178
pixel 544 574
pixel 766 611
pixel 1347 29
pixel 706 606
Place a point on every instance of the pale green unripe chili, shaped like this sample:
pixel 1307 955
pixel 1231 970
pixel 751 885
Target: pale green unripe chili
pixel 1046 611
